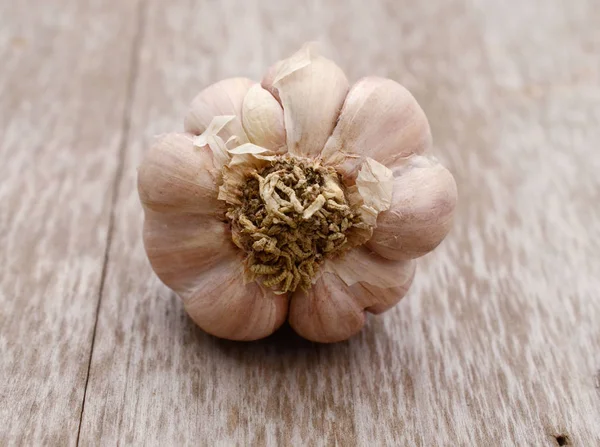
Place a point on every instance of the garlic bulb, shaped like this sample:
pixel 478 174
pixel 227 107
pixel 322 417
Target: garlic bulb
pixel 299 198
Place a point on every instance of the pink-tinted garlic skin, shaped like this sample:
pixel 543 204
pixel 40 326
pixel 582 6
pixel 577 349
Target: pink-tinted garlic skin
pixel 304 106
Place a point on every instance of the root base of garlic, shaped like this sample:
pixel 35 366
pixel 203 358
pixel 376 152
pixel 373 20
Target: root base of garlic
pixel 293 215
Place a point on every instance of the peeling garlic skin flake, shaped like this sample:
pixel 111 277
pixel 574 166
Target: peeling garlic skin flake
pixel 299 197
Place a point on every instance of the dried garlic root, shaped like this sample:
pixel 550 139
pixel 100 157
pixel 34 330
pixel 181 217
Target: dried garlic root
pixel 300 197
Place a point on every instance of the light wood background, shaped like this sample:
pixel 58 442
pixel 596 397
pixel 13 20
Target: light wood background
pixel 497 343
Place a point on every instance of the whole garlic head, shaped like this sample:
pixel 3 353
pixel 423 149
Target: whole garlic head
pixel 299 197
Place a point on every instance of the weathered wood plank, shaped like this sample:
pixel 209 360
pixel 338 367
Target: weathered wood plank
pixel 498 341
pixel 63 77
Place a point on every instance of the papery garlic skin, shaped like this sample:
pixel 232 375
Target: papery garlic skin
pixel 423 203
pixel 372 136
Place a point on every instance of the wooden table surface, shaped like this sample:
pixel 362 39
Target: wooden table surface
pixel 496 344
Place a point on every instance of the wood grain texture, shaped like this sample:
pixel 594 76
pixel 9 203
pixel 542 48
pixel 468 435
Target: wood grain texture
pixel 498 341
pixel 62 97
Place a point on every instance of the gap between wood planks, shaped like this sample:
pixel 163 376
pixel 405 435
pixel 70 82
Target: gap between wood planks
pixel 134 63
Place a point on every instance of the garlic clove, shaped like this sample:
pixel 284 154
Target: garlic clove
pixel 312 90
pixel 326 313
pixel 262 119
pixel 334 308
pixel 380 119
pixel 220 99
pixel 222 305
pixel 420 216
pixel 176 177
pixel 181 247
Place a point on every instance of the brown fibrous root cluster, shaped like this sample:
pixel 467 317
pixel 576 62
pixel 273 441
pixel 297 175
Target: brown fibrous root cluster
pixel 293 215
